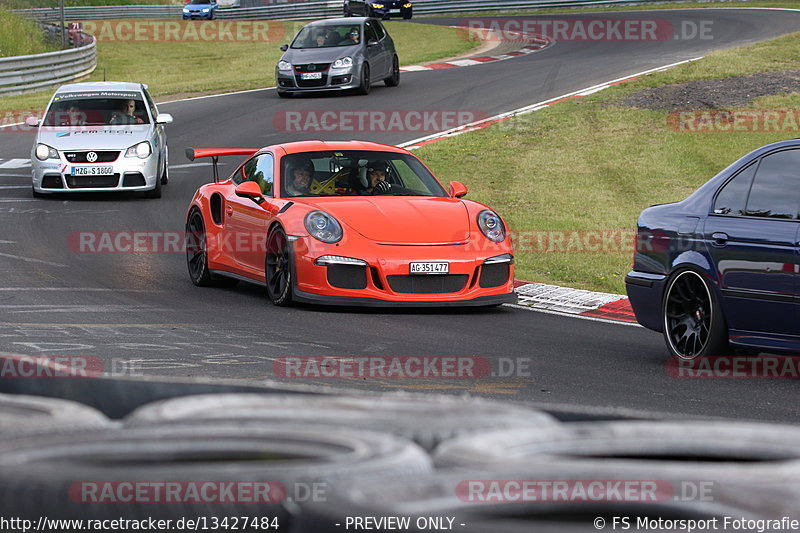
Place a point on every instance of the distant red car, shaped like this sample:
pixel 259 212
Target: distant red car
pixel 346 223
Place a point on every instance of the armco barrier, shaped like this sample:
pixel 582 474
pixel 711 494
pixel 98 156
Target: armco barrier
pixel 25 74
pixel 307 10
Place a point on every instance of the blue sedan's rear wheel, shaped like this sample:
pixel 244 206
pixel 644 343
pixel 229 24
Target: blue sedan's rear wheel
pixel 694 325
pixel 277 269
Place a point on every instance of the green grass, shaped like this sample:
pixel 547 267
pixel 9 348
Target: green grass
pixel 170 68
pixel 791 4
pixel 20 37
pixel 590 164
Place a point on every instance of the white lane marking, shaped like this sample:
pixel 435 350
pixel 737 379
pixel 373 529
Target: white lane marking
pixel 78 289
pixel 215 95
pixel 18 200
pixel 15 163
pixel 573 315
pixel 15 175
pixel 15 186
pixel 53 308
pixel 32 260
pixel 540 105
pixel 192 165
pixel 8 242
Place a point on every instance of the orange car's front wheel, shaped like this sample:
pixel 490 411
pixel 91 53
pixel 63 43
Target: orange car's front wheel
pixel 277 269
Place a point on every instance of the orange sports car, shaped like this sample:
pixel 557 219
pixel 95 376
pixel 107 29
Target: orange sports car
pixel 346 223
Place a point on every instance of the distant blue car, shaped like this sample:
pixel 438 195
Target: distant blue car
pixel 719 270
pixel 199 9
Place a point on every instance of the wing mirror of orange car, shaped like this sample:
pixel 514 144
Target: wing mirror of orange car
pixel 284 47
pixel 457 189
pixel 250 189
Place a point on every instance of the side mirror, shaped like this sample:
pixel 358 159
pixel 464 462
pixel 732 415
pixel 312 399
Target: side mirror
pixel 372 42
pixel 284 47
pixel 457 189
pixel 250 189
pixel 33 122
pixel 164 118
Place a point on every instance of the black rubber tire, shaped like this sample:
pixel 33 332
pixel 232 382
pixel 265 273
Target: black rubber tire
pixel 394 79
pixel 689 302
pixel 197 250
pixel 22 415
pixel 365 85
pixel 427 420
pixel 407 17
pixel 42 475
pixel 165 173
pixel 156 192
pixel 715 448
pixel 277 268
pixel 36 194
pixel 458 495
pixel 284 94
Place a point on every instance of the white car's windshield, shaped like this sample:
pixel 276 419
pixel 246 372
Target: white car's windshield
pixel 96 109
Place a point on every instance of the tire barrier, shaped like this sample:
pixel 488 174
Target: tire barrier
pixel 22 415
pixel 241 470
pixel 427 420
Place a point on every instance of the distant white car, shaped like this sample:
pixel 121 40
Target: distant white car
pixel 100 136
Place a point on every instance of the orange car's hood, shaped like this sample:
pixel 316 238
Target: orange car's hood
pixel 402 219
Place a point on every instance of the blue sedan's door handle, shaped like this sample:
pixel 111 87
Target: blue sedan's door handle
pixel 720 239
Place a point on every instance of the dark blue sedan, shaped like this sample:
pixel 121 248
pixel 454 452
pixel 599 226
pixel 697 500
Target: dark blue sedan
pixel 719 269
pixel 199 9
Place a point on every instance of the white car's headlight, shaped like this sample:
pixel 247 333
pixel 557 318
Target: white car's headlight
pixel 46 152
pixel 284 66
pixel 491 225
pixel 140 150
pixel 323 227
pixel 343 62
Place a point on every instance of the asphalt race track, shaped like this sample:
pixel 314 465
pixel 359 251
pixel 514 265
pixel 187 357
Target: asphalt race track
pixel 142 311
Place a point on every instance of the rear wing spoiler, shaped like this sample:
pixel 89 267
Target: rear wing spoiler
pixel 214 153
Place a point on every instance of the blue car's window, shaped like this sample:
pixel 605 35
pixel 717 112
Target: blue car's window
pixel 97 109
pixel 349 173
pixel 733 196
pixel 776 189
pixel 327 36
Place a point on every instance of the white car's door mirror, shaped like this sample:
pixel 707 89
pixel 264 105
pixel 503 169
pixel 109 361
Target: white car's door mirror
pixel 164 118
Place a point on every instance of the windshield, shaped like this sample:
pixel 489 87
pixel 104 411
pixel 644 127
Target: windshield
pixel 97 109
pixel 349 173
pixel 327 36
pixel 199 2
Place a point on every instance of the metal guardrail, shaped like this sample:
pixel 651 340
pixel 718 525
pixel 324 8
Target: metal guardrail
pixel 26 74
pixel 307 10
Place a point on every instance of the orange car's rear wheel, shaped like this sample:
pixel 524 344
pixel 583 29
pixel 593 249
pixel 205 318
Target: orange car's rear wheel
pixel 277 269
pixel 197 250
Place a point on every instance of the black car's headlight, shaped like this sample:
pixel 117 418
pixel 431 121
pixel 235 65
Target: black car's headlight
pixel 343 62
pixel 141 150
pixel 491 225
pixel 323 227
pixel 45 152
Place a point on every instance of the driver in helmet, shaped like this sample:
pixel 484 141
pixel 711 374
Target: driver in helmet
pixel 299 178
pixel 376 177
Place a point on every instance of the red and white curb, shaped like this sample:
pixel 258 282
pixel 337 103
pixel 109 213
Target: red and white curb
pixel 533 43
pixel 484 123
pixel 582 303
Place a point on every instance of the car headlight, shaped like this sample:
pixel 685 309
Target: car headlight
pixel 185 9
pixel 407 5
pixel 343 62
pixel 323 227
pixel 491 225
pixel 140 150
pixel 377 6
pixel 46 152
pixel 284 66
pixel 206 10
